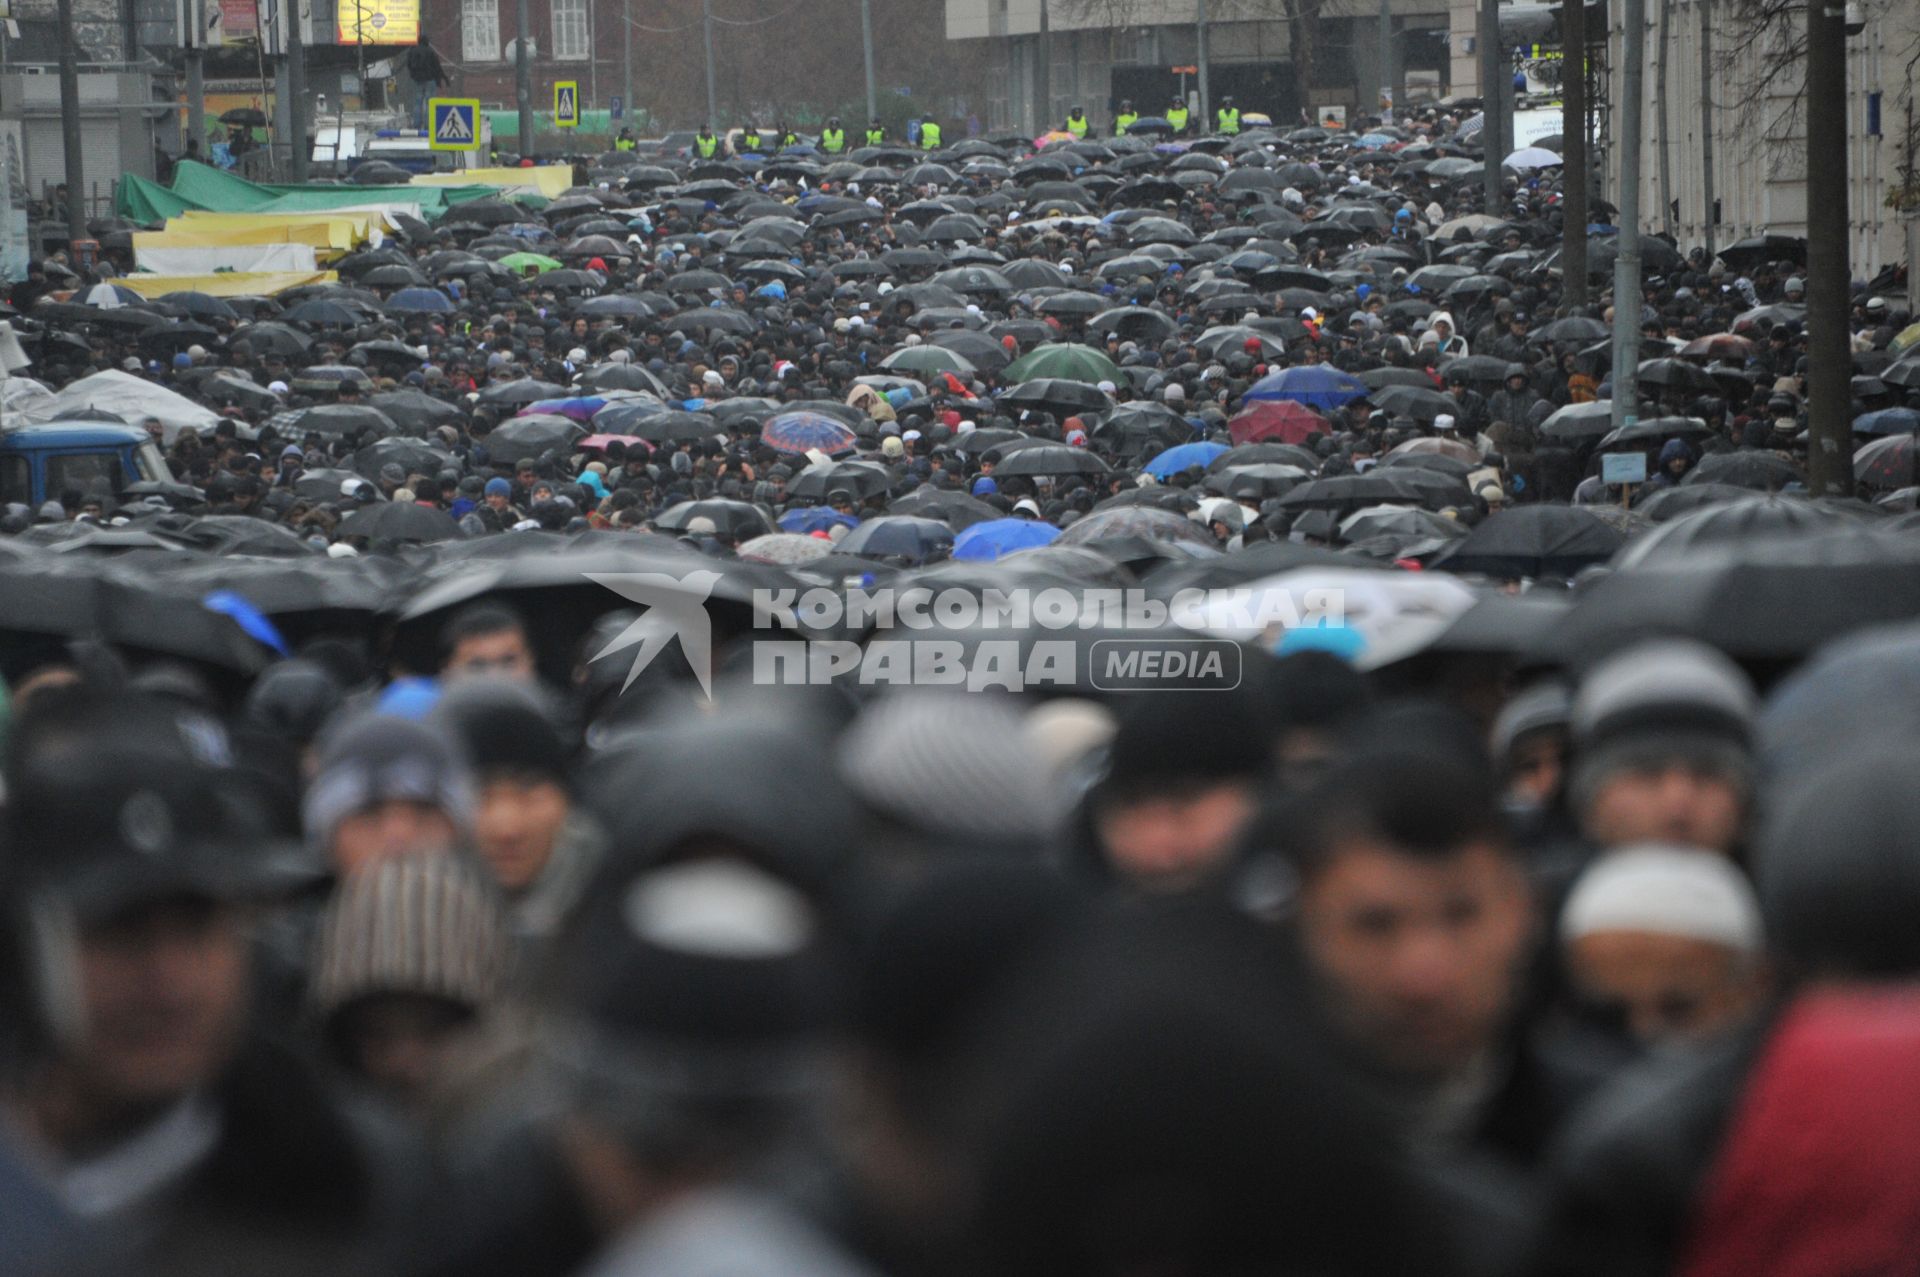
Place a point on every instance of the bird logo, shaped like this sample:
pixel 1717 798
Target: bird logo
pixel 676 609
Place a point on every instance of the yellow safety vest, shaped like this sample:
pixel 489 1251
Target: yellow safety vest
pixel 1178 118
pixel 750 141
pixel 1077 127
pixel 1229 119
pixel 623 144
pixel 707 146
pixel 929 136
pixel 1121 123
pixel 833 141
pixel 876 136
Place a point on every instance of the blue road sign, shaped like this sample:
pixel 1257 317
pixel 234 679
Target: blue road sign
pixel 453 124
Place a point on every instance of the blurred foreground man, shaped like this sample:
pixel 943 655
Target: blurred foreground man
pixel 1415 918
pixel 178 1138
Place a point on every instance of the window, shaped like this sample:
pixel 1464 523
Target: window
pixel 94 475
pixel 16 479
pixel 570 40
pixel 480 30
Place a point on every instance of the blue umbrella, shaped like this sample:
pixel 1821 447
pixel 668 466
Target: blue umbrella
pixel 815 518
pixel 1315 385
pixel 1887 421
pixel 420 300
pixel 580 408
pixel 803 431
pixel 997 538
pixel 1374 141
pixel 898 536
pixel 1176 459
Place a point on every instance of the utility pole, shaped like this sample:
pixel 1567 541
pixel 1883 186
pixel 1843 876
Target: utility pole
pixel 523 77
pixel 70 112
pixel 297 90
pixel 626 55
pixel 1829 365
pixel 1626 267
pixel 1576 177
pixel 1387 79
pixel 1666 122
pixel 866 36
pixel 193 35
pixel 1490 100
pixel 713 98
pixel 1200 60
pixel 1710 215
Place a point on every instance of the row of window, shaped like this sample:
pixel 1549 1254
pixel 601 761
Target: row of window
pixel 480 31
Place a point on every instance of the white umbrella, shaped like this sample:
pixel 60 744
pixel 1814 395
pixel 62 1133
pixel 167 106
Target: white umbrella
pixel 1533 157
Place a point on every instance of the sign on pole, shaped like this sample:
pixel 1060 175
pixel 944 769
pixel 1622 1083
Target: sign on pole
pixel 566 104
pixel 453 124
pixel 619 107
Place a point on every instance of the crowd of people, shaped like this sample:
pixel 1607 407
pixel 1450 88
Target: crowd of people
pixel 1546 908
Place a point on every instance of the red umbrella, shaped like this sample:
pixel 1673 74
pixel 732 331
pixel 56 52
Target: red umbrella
pixel 1281 420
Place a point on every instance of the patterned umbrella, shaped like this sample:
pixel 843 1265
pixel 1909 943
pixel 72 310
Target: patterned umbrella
pixel 797 432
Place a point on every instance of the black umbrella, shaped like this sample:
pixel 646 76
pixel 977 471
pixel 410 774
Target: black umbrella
pixel 335 420
pixel 1680 540
pixel 1050 458
pixel 1765 599
pixel 1533 541
pixel 955 509
pixel 415 411
pixel 409 454
pixel 1062 398
pixel 530 436
pixel 1760 471
pixel 519 394
pixel 1678 374
pixel 1744 255
pixel 1411 401
pixel 737 520
pixel 856 479
pixel 400 522
pixel 1380 485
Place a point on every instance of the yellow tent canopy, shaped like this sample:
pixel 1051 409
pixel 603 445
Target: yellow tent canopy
pixel 548 180
pixel 226 283
pixel 337 231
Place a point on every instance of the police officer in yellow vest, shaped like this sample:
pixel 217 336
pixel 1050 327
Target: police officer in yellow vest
pixel 749 137
pixel 1177 115
pixel 876 133
pixel 786 137
pixel 1077 122
pixel 833 138
pixel 1125 120
pixel 1227 118
pixel 929 135
pixel 705 144
pixel 626 141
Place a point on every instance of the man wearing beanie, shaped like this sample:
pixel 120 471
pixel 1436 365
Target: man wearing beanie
pixel 1182 784
pixel 386 787
pixel 1669 938
pixel 1662 748
pixel 540 847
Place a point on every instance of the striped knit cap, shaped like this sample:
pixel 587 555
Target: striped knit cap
pixel 418 924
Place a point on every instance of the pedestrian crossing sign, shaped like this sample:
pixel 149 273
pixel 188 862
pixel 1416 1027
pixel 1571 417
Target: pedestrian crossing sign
pixel 566 104
pixel 453 124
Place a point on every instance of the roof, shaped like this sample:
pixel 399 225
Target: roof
pixel 59 434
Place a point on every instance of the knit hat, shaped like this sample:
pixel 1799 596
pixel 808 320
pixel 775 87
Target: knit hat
pixel 378 758
pixel 892 447
pixel 425 925
pixel 503 730
pixel 1668 891
pixel 498 487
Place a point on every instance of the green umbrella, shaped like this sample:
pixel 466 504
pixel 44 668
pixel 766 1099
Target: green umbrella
pixel 1064 361
pixel 927 359
pixel 518 263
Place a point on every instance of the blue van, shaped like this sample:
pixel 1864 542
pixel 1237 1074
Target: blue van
pixel 38 463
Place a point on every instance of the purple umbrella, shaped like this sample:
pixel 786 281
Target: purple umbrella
pixel 798 432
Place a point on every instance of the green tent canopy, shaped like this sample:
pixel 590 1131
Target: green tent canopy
pixel 201 186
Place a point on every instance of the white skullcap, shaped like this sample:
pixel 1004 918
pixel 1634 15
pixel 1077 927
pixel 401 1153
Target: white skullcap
pixel 1668 891
pixel 1443 422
